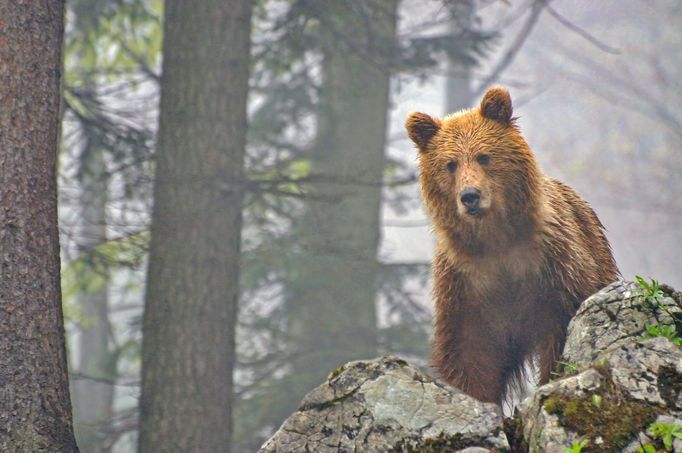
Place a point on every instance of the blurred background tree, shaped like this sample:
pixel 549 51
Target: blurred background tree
pixel 190 312
pixel 335 247
pixel 108 133
pixel 102 146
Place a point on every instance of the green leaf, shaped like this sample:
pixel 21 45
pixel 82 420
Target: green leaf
pixel 596 400
pixel 666 432
pixel 577 447
pixel 647 448
pixel 643 283
pixel 668 441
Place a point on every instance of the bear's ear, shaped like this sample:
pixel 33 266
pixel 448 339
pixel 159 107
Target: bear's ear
pixel 421 128
pixel 497 105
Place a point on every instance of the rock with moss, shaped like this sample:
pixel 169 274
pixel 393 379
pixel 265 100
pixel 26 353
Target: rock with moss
pixel 621 374
pixel 611 403
pixel 388 405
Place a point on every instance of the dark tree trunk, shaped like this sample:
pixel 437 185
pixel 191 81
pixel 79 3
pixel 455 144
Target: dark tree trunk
pixel 35 409
pixel 191 304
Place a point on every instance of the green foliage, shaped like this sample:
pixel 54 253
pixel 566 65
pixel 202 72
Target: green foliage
pixel 647 448
pixel 666 432
pixel 112 41
pixel 652 291
pixel 596 400
pixel 565 369
pixel 91 270
pixel 653 296
pixel 577 447
pixel 661 330
pixel 110 50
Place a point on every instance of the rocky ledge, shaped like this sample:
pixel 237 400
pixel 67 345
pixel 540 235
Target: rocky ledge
pixel 617 389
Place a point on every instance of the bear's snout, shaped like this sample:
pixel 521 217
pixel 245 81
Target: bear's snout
pixel 471 199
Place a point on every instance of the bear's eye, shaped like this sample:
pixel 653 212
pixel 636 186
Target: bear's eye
pixel 483 159
pixel 452 166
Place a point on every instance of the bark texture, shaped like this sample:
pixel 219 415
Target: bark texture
pixel 191 302
pixel 35 410
pixel 331 301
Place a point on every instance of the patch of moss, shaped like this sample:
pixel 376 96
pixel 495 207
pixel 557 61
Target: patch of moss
pixel 615 420
pixel 572 409
pixel 551 405
pixel 337 372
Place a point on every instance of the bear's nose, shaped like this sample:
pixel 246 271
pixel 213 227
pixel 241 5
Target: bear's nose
pixel 471 198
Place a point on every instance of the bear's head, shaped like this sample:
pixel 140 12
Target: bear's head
pixel 479 178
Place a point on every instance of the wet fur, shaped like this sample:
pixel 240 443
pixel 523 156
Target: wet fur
pixel 506 283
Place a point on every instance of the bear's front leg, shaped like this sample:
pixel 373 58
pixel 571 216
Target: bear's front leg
pixel 467 358
pixel 549 352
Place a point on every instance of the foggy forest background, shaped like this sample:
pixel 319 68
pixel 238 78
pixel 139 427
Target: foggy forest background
pixel 335 246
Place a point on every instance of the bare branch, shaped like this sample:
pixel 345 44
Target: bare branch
pixel 583 33
pixel 516 45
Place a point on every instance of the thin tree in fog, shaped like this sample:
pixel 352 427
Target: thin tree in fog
pixel 93 389
pixel 106 144
pixel 188 348
pixel 458 84
pixel 34 393
pixel 331 298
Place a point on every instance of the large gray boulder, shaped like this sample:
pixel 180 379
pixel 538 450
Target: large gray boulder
pixel 388 405
pixel 616 315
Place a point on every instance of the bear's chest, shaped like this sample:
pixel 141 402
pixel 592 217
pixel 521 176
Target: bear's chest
pixel 506 288
pixel 516 270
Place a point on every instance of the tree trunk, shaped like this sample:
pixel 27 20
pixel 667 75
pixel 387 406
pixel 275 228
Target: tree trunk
pixel 458 82
pixel 35 410
pixel 331 299
pixel 188 346
pixel 93 389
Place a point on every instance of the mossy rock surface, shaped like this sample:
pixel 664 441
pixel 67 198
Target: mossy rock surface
pixel 612 381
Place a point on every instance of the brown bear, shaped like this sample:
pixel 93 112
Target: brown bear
pixel 516 251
